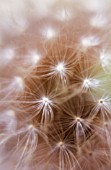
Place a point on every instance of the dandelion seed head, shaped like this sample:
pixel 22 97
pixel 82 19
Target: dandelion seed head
pixel 53 114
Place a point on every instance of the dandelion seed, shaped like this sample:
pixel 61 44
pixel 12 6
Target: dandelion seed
pixel 105 99
pixel 87 83
pixel 94 154
pixel 82 128
pixel 76 120
pixel 60 69
pixel 12 88
pixel 18 83
pixel 28 143
pixel 10 113
pixel 45 100
pixel 60 144
pixel 95 6
pixel 90 41
pixel 62 149
pixel 101 101
pixel 98 21
pixel 21 24
pixel 44 106
pixel 58 65
pixel 49 33
pixel 40 101
pixel 63 14
pixel 105 60
pixel 90 83
pixel 104 106
pixel 8 120
pixel 6 56
pixel 30 127
pixel 33 58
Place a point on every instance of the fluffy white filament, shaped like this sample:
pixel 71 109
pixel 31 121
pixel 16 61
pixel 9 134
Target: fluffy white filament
pixel 44 106
pixel 90 41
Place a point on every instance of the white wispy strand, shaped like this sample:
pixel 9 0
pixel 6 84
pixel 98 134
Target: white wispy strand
pixel 90 41
pixel 105 60
pixel 104 105
pixel 44 106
